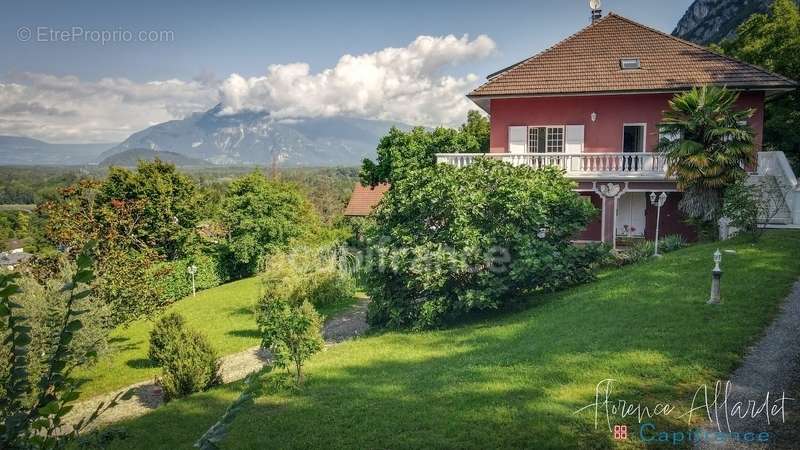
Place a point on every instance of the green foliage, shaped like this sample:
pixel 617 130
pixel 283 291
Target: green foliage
pixel 290 329
pixel 174 282
pixel 314 275
pixel 451 241
pixel 714 147
pixel 478 127
pixel 189 362
pixel 400 152
pixel 122 261
pixel 31 413
pixel 742 206
pixel 168 200
pixel 641 250
pixel 772 41
pixel 262 217
pixel 670 243
pixel 164 336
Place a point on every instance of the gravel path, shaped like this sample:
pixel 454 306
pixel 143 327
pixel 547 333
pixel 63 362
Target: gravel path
pixel 773 366
pixel 148 394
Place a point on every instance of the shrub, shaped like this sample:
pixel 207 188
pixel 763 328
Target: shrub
pixel 290 329
pixel 670 243
pixel 742 206
pixel 193 366
pixel 451 241
pixel 315 275
pixel 640 251
pixel 38 389
pixel 164 336
pixel 173 281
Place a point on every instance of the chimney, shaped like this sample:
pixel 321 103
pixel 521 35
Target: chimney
pixel 597 13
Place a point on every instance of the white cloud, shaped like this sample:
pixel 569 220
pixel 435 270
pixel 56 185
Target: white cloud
pixel 66 109
pixel 403 84
pixel 406 84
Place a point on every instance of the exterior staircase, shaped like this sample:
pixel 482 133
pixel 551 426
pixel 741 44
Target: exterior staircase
pixel 782 189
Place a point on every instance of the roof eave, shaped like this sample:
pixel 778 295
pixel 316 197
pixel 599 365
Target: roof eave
pixel 475 97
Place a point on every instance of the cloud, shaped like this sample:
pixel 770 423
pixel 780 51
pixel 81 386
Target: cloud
pixel 66 109
pixel 407 84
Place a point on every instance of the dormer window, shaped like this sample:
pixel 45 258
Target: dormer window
pixel 629 63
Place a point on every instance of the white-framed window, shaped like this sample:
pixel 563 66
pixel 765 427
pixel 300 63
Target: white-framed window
pixel 546 139
pixel 634 137
pixel 555 140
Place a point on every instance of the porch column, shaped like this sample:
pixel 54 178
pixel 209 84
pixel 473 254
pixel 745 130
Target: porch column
pixel 610 193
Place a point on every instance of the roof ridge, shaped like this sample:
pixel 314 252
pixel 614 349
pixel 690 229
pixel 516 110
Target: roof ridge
pixel 700 47
pixel 502 72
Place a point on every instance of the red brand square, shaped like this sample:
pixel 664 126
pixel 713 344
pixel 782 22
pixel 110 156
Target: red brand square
pixel 620 432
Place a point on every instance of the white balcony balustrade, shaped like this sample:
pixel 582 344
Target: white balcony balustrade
pixel 576 165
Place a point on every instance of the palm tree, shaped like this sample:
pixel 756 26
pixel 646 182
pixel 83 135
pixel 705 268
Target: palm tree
pixel 712 148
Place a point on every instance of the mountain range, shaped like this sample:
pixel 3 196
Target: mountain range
pixel 258 138
pixel 24 151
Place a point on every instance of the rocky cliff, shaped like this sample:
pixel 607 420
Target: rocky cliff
pixel 708 21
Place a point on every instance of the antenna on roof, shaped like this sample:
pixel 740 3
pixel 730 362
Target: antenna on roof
pixel 597 13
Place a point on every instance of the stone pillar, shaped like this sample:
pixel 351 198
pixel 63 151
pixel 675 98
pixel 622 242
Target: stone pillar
pixel 610 193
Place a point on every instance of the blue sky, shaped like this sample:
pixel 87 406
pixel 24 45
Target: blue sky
pixel 209 41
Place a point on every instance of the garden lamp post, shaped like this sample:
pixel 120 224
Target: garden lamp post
pixel 716 275
pixel 658 202
pixel 192 270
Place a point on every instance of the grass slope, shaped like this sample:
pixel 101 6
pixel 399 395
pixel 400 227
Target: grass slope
pixel 516 380
pixel 224 314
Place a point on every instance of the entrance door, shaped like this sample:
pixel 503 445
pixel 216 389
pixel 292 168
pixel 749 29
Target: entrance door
pixel 630 214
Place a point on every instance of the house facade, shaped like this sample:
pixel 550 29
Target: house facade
pixel 592 103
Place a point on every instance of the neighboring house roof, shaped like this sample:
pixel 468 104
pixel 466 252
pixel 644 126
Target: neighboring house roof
pixel 12 259
pixel 364 199
pixel 589 62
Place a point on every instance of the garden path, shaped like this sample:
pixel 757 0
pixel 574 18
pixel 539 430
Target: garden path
pixel 147 395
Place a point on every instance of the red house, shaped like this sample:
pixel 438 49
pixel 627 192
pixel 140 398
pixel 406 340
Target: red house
pixel 591 104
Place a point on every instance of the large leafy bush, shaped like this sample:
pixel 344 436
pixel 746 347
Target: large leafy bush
pixel 262 217
pixel 316 275
pixel 448 241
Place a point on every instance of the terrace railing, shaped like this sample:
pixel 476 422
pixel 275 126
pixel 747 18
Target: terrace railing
pixel 576 165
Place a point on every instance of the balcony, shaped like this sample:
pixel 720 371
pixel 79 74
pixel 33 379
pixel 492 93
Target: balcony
pixel 576 165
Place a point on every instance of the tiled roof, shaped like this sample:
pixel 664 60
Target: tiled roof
pixel 589 62
pixel 364 199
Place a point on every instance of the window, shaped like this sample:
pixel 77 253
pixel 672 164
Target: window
pixel 546 139
pixel 633 138
pixel 629 63
pixel 555 140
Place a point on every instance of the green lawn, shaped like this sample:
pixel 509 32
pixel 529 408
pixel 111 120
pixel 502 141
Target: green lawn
pixel 224 314
pixel 515 380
